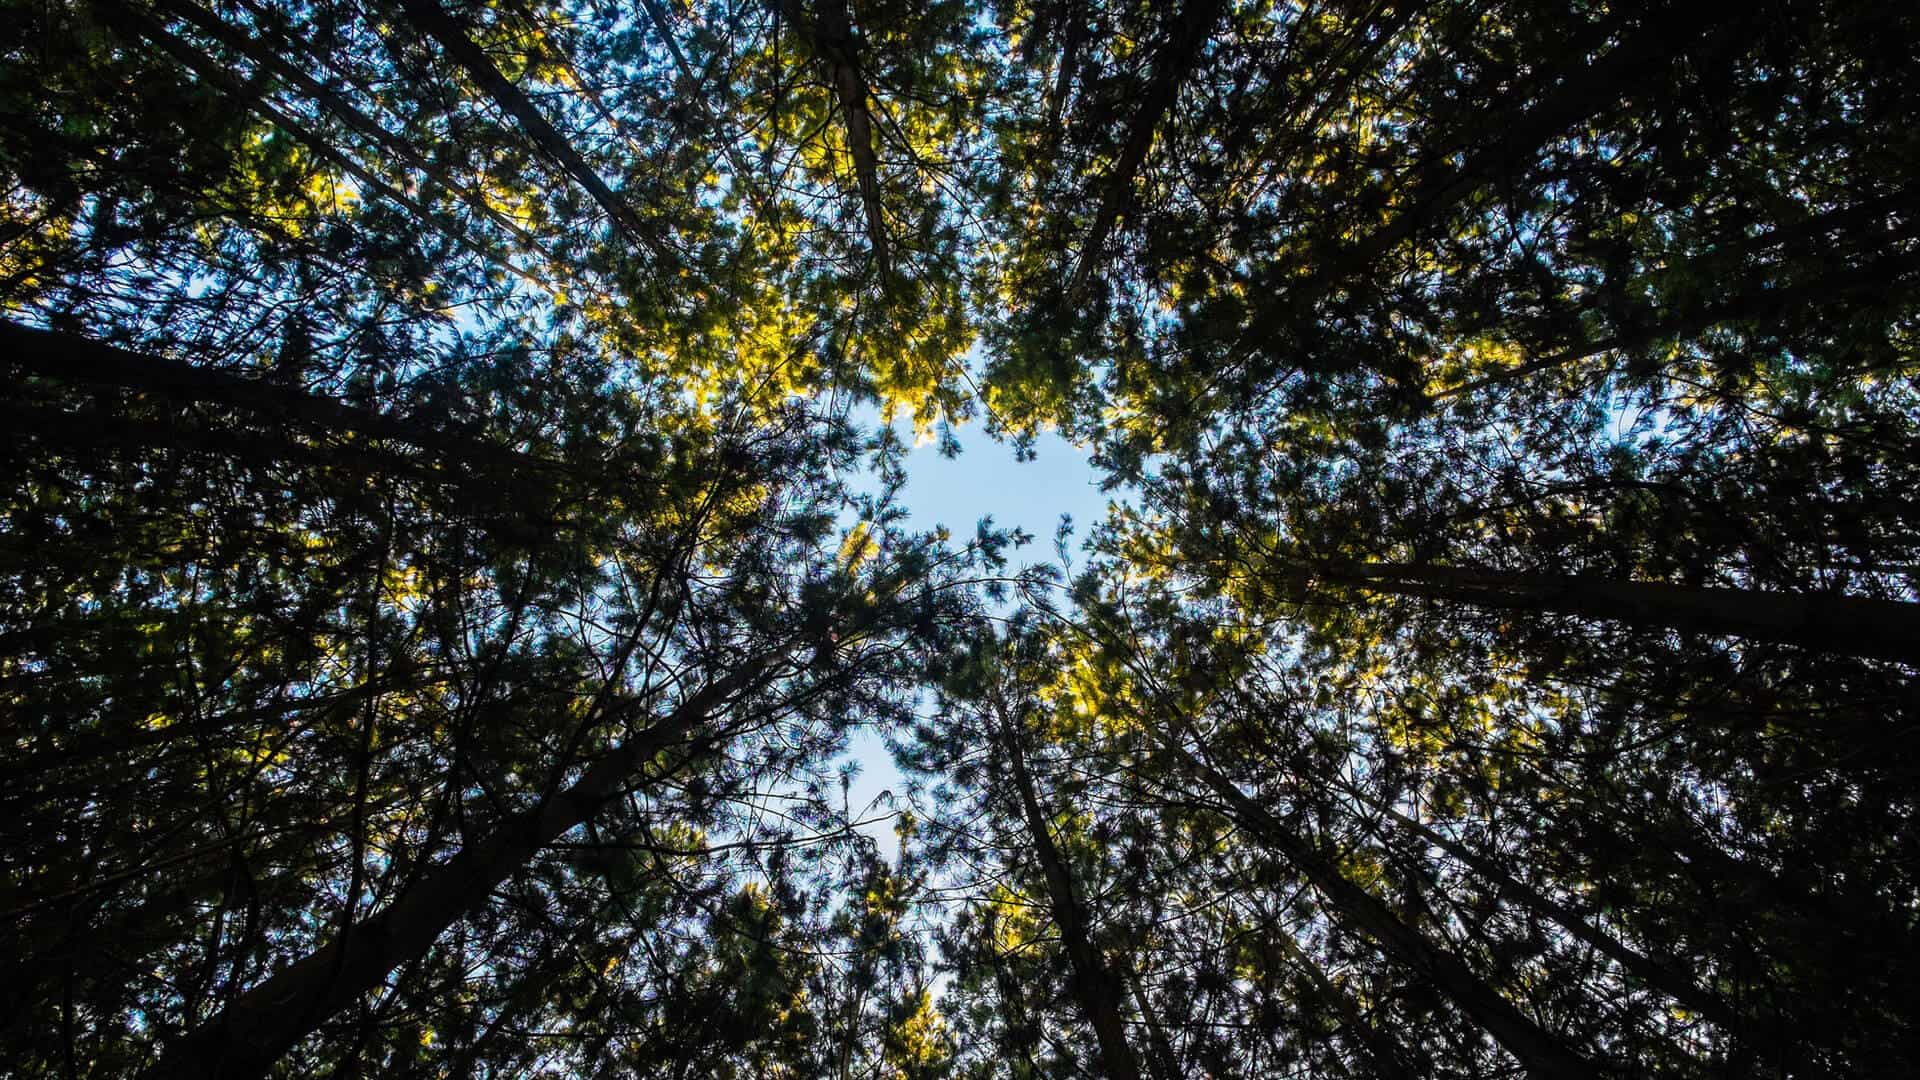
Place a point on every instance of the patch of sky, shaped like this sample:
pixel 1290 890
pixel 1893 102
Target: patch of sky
pixel 985 480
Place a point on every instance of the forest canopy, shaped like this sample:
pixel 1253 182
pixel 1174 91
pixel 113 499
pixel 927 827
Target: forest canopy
pixel 451 535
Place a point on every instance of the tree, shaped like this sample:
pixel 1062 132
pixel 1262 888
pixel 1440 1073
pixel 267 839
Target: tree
pixel 987 685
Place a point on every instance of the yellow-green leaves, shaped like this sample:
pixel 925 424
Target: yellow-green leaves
pixel 858 549
pixel 917 1043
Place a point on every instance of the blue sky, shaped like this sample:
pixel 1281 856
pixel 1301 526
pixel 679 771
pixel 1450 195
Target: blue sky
pixel 983 480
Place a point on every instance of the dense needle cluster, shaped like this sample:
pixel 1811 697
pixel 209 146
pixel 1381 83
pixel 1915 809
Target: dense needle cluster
pixel 449 538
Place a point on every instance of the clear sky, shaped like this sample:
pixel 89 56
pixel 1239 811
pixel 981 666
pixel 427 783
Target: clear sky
pixel 984 480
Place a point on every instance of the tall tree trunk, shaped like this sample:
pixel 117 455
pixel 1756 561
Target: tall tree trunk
pixel 1537 1050
pixel 1095 986
pixel 1437 185
pixel 1823 622
pixel 1755 296
pixel 1374 1046
pixel 269 59
pixel 1375 30
pixel 1051 130
pixel 1165 1064
pixel 1669 982
pixel 1585 91
pixel 1190 28
pixel 433 20
pixel 742 168
pixel 323 149
pixel 74 359
pixel 54 929
pixel 266 1021
pixel 830 32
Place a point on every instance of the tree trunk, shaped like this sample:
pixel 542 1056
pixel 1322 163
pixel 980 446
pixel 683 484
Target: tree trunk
pixel 1668 982
pixel 742 168
pixel 216 75
pixel 1093 984
pixel 1587 90
pixel 1538 1051
pixel 1375 1047
pixel 443 29
pixel 1823 622
pixel 1165 1064
pixel 1189 31
pixel 266 1021
pixel 270 60
pixel 1437 186
pixel 830 32
pixel 71 358
pixel 1756 297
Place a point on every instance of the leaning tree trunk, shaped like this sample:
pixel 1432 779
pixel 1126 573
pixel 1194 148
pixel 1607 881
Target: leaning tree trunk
pixel 1187 33
pixel 1439 184
pixel 1166 1066
pixel 1656 975
pixel 1851 625
pixel 82 361
pixel 1538 1051
pixel 1374 1046
pixel 1099 993
pixel 261 1025
pixel 134 20
pixel 830 33
pixel 267 58
pixel 1750 296
pixel 435 23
